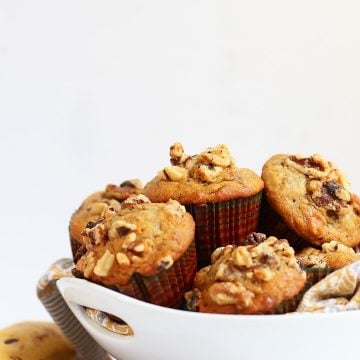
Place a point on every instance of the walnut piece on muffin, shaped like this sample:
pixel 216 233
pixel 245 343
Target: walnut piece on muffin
pixel 333 255
pixel 210 176
pixel 93 207
pixel 313 198
pixel 248 279
pixel 141 238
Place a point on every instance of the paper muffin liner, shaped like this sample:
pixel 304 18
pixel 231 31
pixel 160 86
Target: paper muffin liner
pixel 223 223
pixel 271 224
pixel 49 295
pixel 314 275
pixel 167 288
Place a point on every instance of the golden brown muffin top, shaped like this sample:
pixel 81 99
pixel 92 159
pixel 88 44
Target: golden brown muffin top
pixel 313 198
pixel 92 207
pixel 247 279
pixel 142 237
pixel 210 176
pixel 332 255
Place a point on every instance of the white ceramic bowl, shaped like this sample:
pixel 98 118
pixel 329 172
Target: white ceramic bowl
pixel 167 334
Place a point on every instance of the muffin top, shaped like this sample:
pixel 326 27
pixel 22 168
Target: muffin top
pixel 92 207
pixel 210 176
pixel 313 198
pixel 247 279
pixel 332 255
pixel 141 237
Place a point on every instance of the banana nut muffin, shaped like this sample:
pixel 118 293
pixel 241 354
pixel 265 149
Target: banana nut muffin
pixel 223 199
pixel 313 198
pixel 210 176
pixel 248 279
pixel 332 255
pixel 94 205
pixel 144 250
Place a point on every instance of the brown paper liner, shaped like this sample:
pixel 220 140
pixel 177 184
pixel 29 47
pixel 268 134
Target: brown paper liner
pixel 167 288
pixel 223 223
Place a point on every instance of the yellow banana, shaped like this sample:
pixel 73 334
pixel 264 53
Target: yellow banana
pixel 34 341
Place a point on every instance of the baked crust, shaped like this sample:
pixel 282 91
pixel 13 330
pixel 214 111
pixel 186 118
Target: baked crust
pixel 313 198
pixel 208 177
pixel 248 279
pixel 332 255
pixel 143 238
pixel 92 207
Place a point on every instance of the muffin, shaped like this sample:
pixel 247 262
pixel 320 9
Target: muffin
pixel 94 205
pixel 223 199
pixel 144 250
pixel 319 263
pixel 248 279
pixel 313 199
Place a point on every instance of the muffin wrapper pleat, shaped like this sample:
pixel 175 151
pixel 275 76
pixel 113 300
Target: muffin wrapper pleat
pixel 223 223
pixel 314 275
pixel 167 288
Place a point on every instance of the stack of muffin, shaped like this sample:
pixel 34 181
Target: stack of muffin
pixel 191 233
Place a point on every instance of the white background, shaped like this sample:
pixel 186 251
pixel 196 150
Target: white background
pixel 95 92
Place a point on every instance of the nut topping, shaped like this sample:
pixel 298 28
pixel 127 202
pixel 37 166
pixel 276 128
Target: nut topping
pixel 165 263
pixel 122 259
pixel 104 264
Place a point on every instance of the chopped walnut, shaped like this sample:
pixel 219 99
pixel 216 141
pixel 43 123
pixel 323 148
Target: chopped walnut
pixel 122 259
pixel 90 263
pixel 165 263
pixel 221 251
pixel 242 257
pixel 209 166
pixel 217 156
pixel 263 274
pixel 129 241
pixel 121 228
pixel 97 208
pixel 134 200
pixel 134 183
pixel 332 196
pixel 104 264
pixel 334 246
pixel 175 208
pixel 94 233
pixel 315 166
pixel 175 173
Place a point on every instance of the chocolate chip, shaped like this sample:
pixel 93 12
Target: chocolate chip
pixel 10 341
pixel 123 230
pixel 328 198
pixel 79 253
pixel 92 224
pixel 308 163
pixel 254 238
pixel 77 273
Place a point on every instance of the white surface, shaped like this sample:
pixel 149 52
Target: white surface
pixel 162 334
pixel 94 92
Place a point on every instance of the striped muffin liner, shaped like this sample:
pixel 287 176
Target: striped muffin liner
pixel 272 224
pixel 49 295
pixel 223 223
pixel 167 288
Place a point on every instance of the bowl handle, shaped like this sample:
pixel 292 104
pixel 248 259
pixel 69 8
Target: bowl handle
pixel 79 293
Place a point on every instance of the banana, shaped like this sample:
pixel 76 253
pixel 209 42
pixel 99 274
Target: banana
pixel 34 341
